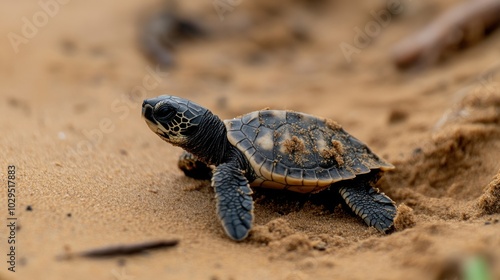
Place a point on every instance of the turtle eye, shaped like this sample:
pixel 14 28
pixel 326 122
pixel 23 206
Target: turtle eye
pixel 165 112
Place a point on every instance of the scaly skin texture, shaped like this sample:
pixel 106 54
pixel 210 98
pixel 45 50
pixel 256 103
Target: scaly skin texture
pixel 209 143
pixel 234 200
pixel 374 207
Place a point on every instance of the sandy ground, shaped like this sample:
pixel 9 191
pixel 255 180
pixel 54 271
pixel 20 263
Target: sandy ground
pixel 93 174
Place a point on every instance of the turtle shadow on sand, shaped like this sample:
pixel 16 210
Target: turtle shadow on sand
pixel 286 202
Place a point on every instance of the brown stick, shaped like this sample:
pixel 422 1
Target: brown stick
pixel 464 24
pixel 122 249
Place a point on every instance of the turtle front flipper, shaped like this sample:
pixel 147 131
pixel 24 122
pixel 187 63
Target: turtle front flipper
pixel 193 167
pixel 375 208
pixel 234 200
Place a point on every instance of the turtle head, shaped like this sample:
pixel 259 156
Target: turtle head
pixel 174 119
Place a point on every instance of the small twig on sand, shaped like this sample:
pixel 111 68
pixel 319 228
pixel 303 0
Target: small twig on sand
pixel 462 25
pixel 122 249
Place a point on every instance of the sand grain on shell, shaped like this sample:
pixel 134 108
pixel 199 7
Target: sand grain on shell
pixel 296 149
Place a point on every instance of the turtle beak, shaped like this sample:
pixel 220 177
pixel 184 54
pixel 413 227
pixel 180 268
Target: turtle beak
pixel 147 112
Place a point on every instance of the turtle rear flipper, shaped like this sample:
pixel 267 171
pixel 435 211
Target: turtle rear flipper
pixel 193 167
pixel 375 208
pixel 234 200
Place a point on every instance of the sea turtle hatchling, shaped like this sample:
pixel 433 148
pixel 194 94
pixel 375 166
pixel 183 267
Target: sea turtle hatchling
pixel 271 149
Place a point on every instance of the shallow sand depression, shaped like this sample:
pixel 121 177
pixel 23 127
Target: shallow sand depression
pixel 89 173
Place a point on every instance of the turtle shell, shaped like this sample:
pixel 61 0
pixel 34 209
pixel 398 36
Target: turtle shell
pixel 299 152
